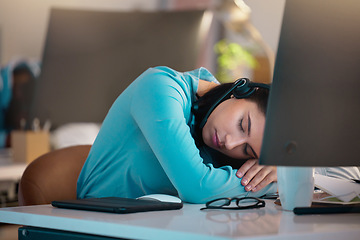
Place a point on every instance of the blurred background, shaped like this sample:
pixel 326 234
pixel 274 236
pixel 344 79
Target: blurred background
pixel 23 23
pixel 236 39
pixel 63 63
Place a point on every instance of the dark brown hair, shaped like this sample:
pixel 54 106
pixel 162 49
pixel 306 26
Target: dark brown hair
pixel 204 103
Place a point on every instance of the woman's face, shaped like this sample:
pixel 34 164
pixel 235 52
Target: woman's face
pixel 235 128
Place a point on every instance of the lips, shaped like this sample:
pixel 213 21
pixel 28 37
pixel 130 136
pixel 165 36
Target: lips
pixel 216 140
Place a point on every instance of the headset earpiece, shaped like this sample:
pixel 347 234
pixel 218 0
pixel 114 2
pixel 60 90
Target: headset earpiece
pixel 247 88
pixel 243 90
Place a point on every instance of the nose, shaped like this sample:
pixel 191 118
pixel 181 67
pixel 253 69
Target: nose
pixel 232 142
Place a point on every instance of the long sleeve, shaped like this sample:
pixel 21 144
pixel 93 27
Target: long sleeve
pixel 159 107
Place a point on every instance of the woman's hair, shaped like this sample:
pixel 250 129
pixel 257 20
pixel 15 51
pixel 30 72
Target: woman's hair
pixel 204 103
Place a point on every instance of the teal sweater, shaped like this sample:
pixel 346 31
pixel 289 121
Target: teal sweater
pixel 145 145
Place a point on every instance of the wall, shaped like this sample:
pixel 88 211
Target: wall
pixel 23 23
pixel 266 16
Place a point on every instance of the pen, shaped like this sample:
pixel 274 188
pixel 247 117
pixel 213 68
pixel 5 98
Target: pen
pixel 36 125
pixel 47 125
pixel 356 180
pixel 22 124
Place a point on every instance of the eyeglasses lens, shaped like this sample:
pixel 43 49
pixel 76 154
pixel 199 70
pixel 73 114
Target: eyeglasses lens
pixel 219 203
pixel 247 202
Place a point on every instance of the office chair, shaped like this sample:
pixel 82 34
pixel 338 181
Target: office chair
pixel 52 176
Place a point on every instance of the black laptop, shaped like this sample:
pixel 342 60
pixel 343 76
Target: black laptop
pixel 117 205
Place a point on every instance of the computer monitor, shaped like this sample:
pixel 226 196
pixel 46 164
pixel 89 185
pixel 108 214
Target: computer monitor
pixel 313 116
pixel 91 56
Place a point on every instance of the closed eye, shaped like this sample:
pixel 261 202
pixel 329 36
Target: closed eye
pixel 247 147
pixel 252 154
pixel 241 125
pixel 246 150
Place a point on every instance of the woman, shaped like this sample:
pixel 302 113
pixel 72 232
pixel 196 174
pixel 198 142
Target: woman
pixel 150 141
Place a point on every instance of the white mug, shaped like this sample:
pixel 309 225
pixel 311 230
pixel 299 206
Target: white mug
pixel 295 186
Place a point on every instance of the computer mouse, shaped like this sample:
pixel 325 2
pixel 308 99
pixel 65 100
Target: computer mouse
pixel 161 198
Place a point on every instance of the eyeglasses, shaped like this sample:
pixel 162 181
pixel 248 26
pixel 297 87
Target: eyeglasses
pixel 241 203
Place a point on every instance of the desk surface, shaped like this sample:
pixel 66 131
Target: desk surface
pixel 10 171
pixel 190 223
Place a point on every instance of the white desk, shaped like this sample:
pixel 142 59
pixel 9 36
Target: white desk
pixel 8 169
pixel 190 223
pixel 10 173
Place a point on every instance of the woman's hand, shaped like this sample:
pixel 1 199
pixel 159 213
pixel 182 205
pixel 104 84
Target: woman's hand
pixel 255 176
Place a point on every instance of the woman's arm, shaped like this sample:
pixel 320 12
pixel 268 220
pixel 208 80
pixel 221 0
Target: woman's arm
pixel 159 107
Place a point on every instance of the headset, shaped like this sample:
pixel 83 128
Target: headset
pixel 242 88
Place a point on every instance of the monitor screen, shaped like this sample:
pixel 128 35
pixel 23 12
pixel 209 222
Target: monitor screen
pixel 313 116
pixel 91 56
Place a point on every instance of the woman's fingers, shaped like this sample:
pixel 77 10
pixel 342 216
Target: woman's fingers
pixel 264 177
pixel 245 167
pixel 256 177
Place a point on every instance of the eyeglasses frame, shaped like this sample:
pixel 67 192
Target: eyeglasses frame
pixel 259 204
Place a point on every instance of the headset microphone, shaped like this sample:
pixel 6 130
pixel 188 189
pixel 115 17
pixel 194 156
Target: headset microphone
pixel 242 88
